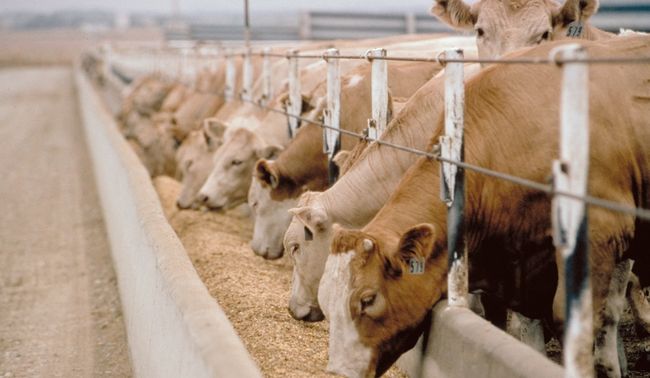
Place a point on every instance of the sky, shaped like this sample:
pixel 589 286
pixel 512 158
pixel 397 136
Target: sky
pixel 226 6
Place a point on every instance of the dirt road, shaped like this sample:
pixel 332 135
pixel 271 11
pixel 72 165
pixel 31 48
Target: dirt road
pixel 59 308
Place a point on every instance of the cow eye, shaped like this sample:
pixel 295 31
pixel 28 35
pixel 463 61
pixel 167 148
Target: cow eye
pixel 293 249
pixel 367 301
pixel 236 162
pixel 544 37
pixel 189 164
pixel 480 32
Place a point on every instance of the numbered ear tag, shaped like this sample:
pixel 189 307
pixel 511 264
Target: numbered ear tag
pixel 308 234
pixel 574 30
pixel 416 265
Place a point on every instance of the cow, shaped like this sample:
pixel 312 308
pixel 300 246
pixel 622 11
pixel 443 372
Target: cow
pixel 303 165
pixel 373 304
pixel 194 159
pixel 505 26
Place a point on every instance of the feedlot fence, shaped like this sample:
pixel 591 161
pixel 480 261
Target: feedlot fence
pixel 569 172
pixel 322 25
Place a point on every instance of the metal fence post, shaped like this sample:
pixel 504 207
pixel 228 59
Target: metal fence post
pixel 247 77
pixel 295 97
pixel 229 90
pixel 108 59
pixel 332 114
pixel 453 180
pixel 379 85
pixel 570 216
pixel 266 77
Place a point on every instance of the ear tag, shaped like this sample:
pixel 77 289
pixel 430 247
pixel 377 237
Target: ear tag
pixel 574 30
pixel 416 265
pixel 308 234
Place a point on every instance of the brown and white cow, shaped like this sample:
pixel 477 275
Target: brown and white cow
pixel 372 302
pixel 503 26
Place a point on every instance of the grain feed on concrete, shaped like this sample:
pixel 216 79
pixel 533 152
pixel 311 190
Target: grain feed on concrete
pixel 252 292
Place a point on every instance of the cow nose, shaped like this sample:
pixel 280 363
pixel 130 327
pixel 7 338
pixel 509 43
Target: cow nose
pixel 202 198
pixel 273 255
pixel 181 205
pixel 256 250
pixel 314 315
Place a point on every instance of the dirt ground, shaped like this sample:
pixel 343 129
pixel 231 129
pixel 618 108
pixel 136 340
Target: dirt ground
pixel 62 46
pixel 253 292
pixel 60 313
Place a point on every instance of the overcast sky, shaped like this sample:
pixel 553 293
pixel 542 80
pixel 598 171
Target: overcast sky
pixel 192 6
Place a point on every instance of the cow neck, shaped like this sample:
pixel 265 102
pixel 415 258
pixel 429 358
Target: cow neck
pixel 371 180
pixel 415 201
pixel 303 160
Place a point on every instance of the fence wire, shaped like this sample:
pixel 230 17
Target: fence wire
pixel 545 188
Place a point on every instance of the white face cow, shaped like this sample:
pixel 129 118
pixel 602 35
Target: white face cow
pixel 194 160
pixel 376 309
pixel 228 183
pixel 503 26
pixel 270 220
pixel 307 241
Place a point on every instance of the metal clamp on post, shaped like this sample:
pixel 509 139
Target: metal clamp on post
pixel 231 75
pixel 247 77
pixel 295 97
pixel 452 180
pixel 331 136
pixel 570 215
pixel 266 77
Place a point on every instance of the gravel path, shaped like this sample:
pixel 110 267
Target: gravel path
pixel 60 313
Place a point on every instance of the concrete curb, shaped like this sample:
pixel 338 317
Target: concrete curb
pixel 462 344
pixel 175 328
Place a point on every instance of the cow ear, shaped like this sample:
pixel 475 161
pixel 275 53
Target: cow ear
pixel 416 244
pixel 270 151
pixel 341 158
pixel 574 10
pixel 267 174
pixel 454 13
pixel 213 131
pixel 314 219
pixel 306 102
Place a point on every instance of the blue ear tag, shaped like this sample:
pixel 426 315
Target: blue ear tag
pixel 416 265
pixel 308 234
pixel 574 30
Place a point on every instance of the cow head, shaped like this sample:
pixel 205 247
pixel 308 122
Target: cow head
pixel 194 159
pixel 375 305
pixel 270 217
pixel 228 183
pixel 503 26
pixel 307 241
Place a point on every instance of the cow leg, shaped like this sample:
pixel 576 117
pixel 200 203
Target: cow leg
pixel 606 352
pixel 639 304
pixel 527 330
